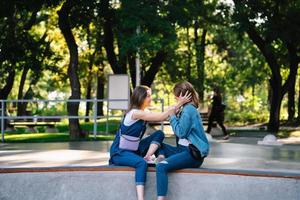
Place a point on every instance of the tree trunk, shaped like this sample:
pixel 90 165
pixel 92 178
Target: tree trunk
pixel 72 107
pixel 89 86
pixel 100 93
pixel 276 99
pixel 189 57
pixel 132 69
pixel 291 101
pixel 291 82
pixel 88 95
pixel 276 80
pixel 278 91
pixel 156 63
pixel 253 95
pixel 90 75
pixel 4 92
pixel 21 105
pixel 28 95
pixel 298 119
pixel 122 57
pixel 200 56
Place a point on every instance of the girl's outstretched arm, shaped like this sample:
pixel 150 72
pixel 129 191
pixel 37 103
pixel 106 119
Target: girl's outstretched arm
pixel 161 116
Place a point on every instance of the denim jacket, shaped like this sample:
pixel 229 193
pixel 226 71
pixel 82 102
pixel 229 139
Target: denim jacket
pixel 189 126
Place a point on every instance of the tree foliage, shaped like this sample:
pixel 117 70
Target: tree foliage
pixel 248 48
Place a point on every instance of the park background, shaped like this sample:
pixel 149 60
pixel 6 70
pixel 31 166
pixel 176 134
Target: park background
pixel 66 50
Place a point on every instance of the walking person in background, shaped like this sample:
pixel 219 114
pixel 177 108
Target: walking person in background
pixel 216 113
pixel 192 146
pixel 128 149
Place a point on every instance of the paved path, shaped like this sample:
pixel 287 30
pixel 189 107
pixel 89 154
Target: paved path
pixel 237 153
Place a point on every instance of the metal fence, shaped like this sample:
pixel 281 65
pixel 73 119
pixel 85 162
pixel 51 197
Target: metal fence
pixel 95 117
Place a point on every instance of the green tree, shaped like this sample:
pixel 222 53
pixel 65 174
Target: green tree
pixel 35 61
pixel 66 29
pixel 273 26
pixel 154 41
pixel 194 21
pixel 20 49
pixel 82 16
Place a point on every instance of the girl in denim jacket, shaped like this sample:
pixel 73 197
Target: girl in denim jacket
pixel 187 126
pixel 134 125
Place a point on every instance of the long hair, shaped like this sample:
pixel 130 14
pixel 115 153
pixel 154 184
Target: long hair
pixel 138 97
pixel 185 86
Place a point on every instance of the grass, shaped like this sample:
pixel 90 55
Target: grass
pixel 50 137
pixel 89 126
pixel 248 133
pixel 262 133
pixel 21 136
pixel 288 133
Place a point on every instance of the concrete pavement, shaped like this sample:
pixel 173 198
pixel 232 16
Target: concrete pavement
pixel 236 169
pixel 245 155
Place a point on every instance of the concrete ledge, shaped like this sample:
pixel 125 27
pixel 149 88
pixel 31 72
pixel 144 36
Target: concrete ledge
pixel 152 169
pixel 111 182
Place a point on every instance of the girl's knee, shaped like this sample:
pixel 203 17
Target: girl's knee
pixel 161 167
pixel 142 164
pixel 159 135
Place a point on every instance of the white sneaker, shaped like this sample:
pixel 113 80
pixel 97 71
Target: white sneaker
pixel 150 160
pixel 226 137
pixel 159 159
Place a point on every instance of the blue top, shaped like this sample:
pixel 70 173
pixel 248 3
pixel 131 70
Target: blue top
pixel 189 126
pixel 133 130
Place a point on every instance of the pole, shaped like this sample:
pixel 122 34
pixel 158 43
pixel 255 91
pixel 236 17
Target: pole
pixel 162 110
pixel 137 62
pixel 2 119
pixel 107 113
pixel 95 117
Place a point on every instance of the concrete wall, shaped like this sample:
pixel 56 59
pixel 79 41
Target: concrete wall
pixel 110 184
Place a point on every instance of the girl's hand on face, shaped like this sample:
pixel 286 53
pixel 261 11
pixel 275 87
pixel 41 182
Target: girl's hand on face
pixel 183 99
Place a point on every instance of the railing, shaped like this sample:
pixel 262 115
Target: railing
pixel 94 116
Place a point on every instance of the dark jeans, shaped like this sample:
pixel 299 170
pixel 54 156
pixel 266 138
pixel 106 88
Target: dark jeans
pixel 176 158
pixel 135 159
pixel 219 120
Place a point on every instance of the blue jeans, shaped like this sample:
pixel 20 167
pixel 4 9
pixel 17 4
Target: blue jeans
pixel 176 158
pixel 135 158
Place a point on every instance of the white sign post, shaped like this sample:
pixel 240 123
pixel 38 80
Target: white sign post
pixel 118 93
